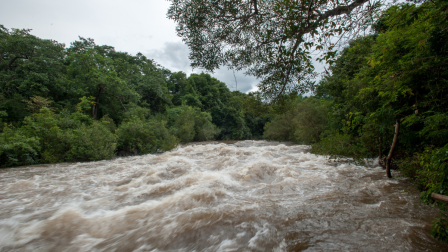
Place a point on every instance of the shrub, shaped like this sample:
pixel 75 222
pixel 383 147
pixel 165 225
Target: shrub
pixel 183 126
pixel 303 123
pixel 94 142
pixel 204 128
pixel 409 167
pixel 16 148
pixel 67 121
pixel 338 145
pixel 432 177
pixel 433 173
pixel 44 126
pixel 109 123
pixel 165 139
pixel 190 124
pixel 144 136
pixel 135 136
pixel 281 128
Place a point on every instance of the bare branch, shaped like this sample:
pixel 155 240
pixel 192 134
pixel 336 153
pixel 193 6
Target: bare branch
pixel 14 59
pixel 255 6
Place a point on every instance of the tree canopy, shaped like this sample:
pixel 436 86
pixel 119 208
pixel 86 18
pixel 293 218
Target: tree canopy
pixel 271 40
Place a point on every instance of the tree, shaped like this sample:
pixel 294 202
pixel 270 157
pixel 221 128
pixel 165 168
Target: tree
pixel 272 40
pixel 29 66
pixel 145 76
pixel 91 73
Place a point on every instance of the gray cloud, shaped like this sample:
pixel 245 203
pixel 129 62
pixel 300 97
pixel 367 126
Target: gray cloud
pixel 243 82
pixel 174 56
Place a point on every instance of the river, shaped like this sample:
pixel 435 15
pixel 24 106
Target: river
pixel 233 196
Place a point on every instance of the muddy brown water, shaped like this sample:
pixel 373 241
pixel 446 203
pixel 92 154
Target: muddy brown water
pixel 233 196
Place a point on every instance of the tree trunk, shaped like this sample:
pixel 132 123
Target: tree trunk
pixel 95 105
pixel 380 151
pixel 394 143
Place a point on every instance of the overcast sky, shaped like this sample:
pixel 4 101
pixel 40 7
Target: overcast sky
pixel 130 26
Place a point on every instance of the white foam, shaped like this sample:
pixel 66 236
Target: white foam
pixel 251 195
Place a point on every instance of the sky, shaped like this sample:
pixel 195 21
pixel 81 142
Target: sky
pixel 130 26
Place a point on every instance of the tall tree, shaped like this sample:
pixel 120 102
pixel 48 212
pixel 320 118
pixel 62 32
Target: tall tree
pixel 91 73
pixel 272 40
pixel 29 66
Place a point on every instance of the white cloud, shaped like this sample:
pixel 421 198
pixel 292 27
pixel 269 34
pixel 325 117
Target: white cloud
pixel 173 55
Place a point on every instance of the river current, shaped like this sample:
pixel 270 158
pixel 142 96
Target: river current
pixel 241 196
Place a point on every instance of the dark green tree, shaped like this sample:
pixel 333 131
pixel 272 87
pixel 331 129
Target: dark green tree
pixel 272 40
pixel 90 72
pixel 29 66
pixel 390 92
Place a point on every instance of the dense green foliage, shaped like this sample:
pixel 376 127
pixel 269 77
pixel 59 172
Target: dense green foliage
pixel 90 102
pixel 393 80
pixel 302 122
pixel 397 76
pixel 399 73
pixel 190 124
pixel 142 136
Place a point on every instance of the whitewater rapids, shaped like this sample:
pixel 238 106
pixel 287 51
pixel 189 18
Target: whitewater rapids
pixel 243 196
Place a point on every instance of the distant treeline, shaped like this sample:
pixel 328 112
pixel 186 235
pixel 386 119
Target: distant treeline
pixel 90 102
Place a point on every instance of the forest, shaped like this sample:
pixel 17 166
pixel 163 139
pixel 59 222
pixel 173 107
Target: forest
pixel 385 95
pixel 90 102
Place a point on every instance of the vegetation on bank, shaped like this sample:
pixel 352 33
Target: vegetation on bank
pixel 90 102
pixel 392 81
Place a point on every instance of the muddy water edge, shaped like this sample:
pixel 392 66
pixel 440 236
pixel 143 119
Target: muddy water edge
pixel 212 196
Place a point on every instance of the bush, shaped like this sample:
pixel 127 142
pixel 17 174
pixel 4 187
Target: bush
pixel 409 167
pixel 204 128
pixel 190 124
pixel 44 126
pixel 165 139
pixel 183 126
pixel 281 128
pixel 94 142
pixel 144 136
pixel 338 145
pixel 303 123
pixel 38 140
pixel 236 128
pixel 434 170
pixel 67 121
pixel 16 148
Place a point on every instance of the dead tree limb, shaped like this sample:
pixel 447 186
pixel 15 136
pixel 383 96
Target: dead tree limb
pixel 394 143
pixel 439 197
pixel 380 151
